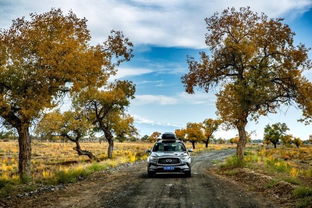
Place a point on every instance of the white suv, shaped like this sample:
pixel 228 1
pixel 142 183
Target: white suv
pixel 169 155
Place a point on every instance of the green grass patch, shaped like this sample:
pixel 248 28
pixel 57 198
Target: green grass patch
pixel 304 195
pixel 233 162
pixel 71 176
pixel 8 186
pixel 292 180
pixel 302 191
pixel 97 167
pixel 305 202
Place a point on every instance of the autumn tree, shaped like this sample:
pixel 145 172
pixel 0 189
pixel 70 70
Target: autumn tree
pixel 256 66
pixel 180 134
pixel 287 139
pixel 154 136
pixel 234 140
pixel 71 125
pixel 209 127
pixel 144 138
pixel 106 106
pixel 194 133
pixel 297 141
pixel 275 132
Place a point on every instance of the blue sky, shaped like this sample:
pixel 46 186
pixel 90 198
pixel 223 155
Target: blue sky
pixel 165 32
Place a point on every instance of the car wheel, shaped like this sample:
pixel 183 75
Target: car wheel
pixel 188 173
pixel 150 174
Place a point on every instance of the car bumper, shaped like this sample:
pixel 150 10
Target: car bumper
pixel 176 168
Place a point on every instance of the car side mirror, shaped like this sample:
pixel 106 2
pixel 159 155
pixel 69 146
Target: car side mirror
pixel 148 151
pixel 189 150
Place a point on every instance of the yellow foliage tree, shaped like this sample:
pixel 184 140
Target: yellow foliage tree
pixel 41 59
pixel 234 140
pixel 180 134
pixel 297 141
pixel 154 136
pixel 209 127
pixel 106 108
pixel 71 125
pixel 259 68
pixel 194 133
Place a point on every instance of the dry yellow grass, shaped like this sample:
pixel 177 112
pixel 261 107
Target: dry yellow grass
pixel 293 162
pixel 50 158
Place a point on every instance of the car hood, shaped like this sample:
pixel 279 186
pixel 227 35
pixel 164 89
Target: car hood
pixel 168 154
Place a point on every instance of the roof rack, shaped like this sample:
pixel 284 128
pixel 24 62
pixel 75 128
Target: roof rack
pixel 168 137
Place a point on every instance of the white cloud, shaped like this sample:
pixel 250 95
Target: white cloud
pixel 225 134
pixel 157 22
pixel 154 99
pixel 181 98
pixel 127 72
pixel 197 98
pixel 142 120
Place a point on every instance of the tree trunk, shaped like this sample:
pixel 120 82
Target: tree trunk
pixel 206 143
pixel 274 145
pixel 84 152
pixel 193 144
pixel 241 142
pixel 24 157
pixel 110 148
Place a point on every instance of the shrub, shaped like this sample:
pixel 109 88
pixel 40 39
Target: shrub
pixel 233 162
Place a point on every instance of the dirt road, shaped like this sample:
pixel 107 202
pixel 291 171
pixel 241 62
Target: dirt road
pixel 129 187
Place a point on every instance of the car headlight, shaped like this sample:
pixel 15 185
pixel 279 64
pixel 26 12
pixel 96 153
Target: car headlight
pixel 152 159
pixel 185 158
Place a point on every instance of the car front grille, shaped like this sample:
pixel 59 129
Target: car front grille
pixel 168 161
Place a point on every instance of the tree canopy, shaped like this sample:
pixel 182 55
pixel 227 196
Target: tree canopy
pixel 256 66
pixel 275 132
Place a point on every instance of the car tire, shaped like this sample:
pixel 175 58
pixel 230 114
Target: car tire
pixel 188 173
pixel 150 174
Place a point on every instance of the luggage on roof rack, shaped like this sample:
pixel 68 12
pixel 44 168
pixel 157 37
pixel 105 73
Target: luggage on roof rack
pixel 169 137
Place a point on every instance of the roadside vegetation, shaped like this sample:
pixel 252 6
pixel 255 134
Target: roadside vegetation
pixel 58 163
pixel 276 166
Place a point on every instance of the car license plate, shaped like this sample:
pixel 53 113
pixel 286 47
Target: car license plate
pixel 168 168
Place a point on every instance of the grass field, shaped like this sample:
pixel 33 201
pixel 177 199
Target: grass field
pixel 284 161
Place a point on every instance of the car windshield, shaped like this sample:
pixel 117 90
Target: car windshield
pixel 169 147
